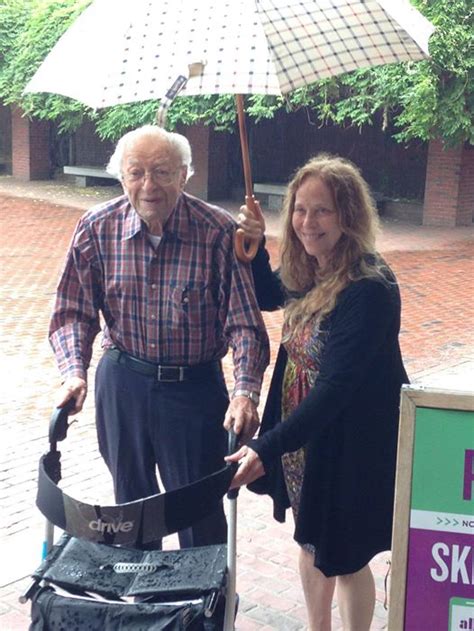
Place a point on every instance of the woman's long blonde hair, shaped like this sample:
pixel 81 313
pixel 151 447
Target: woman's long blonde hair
pixel 349 260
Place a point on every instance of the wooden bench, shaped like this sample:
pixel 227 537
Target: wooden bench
pixel 270 195
pixel 89 175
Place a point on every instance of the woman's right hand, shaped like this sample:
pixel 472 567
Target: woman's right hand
pixel 252 224
pixel 250 466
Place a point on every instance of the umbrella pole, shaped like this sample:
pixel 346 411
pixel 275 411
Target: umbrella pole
pixel 245 248
pixel 239 101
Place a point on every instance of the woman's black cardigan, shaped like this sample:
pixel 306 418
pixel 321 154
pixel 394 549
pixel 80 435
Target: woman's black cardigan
pixel 348 423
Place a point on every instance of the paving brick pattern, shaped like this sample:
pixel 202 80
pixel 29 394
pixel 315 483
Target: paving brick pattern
pixel 436 273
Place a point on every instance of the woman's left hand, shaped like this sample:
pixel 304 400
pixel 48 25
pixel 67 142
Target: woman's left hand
pixel 250 466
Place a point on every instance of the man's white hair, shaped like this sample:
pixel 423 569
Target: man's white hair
pixel 178 142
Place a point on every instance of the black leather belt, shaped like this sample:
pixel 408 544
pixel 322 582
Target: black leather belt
pixel 165 373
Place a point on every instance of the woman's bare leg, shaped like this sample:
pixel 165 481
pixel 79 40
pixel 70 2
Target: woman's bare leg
pixel 356 599
pixel 318 592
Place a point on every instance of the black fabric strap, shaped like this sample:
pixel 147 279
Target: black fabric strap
pixel 134 523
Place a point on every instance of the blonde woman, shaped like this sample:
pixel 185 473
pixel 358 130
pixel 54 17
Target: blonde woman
pixel 335 388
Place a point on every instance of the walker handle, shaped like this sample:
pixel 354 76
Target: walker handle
pixel 232 441
pixel 58 424
pixel 231 448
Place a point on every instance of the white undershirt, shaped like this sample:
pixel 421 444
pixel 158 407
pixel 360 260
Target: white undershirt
pixel 155 239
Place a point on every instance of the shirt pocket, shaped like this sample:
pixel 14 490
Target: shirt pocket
pixel 192 309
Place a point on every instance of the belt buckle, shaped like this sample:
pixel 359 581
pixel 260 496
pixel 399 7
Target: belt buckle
pixel 161 372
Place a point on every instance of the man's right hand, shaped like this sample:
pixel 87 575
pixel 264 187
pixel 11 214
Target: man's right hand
pixel 72 388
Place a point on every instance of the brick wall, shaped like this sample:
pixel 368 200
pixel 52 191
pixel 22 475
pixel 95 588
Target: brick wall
pixel 198 136
pixel 5 139
pixel 30 148
pixel 449 188
pixel 466 186
pixel 209 150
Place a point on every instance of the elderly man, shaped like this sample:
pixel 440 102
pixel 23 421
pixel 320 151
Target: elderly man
pixel 158 265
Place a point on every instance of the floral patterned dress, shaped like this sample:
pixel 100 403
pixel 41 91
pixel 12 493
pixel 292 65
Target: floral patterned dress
pixel 304 356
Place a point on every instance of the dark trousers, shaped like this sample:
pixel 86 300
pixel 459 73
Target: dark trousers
pixel 143 423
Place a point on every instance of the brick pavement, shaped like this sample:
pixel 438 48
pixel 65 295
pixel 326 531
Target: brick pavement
pixel 435 270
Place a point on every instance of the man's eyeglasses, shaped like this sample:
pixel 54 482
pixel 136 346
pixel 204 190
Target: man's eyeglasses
pixel 158 176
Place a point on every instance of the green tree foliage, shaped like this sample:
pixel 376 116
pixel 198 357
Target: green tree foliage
pixel 439 98
pixel 219 111
pixel 28 31
pixel 423 100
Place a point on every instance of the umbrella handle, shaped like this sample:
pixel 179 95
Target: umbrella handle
pixel 246 248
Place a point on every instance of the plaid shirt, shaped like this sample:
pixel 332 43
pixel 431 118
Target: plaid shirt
pixel 182 303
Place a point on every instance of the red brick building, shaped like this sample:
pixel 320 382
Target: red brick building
pixel 440 180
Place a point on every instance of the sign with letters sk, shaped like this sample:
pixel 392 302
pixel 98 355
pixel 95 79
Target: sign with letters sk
pixel 432 586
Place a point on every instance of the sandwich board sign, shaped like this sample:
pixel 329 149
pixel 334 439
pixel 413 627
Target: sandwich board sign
pixel 432 584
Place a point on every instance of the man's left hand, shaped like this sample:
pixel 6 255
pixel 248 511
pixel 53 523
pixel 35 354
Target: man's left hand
pixel 242 417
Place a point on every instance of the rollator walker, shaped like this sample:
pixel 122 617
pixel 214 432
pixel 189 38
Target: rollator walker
pixel 98 576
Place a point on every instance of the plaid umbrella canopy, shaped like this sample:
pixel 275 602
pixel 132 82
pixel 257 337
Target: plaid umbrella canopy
pixel 122 52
